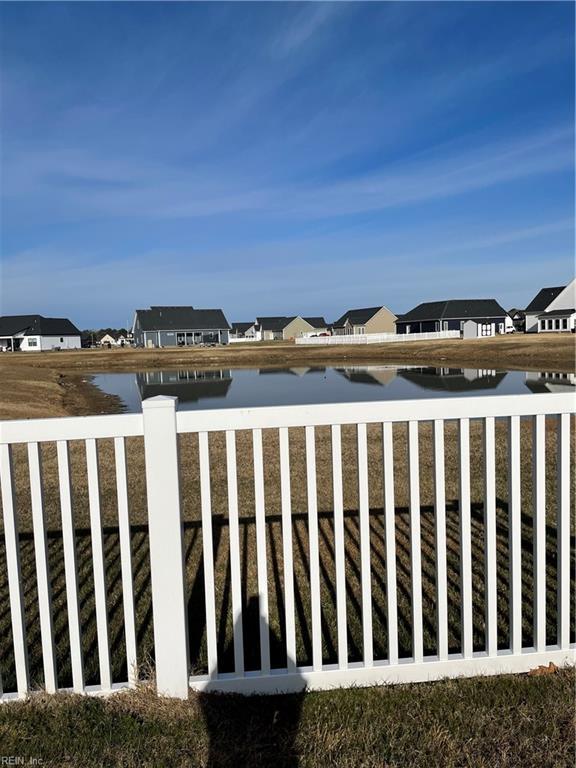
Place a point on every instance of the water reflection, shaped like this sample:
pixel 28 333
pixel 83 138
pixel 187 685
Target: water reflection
pixel 240 388
pixel 188 386
pixel 550 381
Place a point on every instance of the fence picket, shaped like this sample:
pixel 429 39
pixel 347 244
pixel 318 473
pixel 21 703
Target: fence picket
pixel 13 567
pixel 563 529
pixel 465 538
pixel 208 552
pixel 539 512
pixel 98 564
pixel 70 568
pixel 287 555
pixel 315 597
pixel 262 562
pixel 42 569
pixel 365 570
pixel 415 542
pixel 490 535
pixel 339 552
pixel 440 512
pixel 515 538
pixel 234 540
pixel 390 533
pixel 126 559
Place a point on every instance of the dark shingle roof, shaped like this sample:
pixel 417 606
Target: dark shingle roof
pixel 357 316
pixel 274 323
pixel 543 298
pixel 181 319
pixel 241 327
pixel 454 309
pixel 315 322
pixel 37 325
pixel 557 313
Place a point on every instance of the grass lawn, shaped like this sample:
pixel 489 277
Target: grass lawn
pixel 519 721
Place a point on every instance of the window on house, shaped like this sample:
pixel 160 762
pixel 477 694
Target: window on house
pixel 32 342
pixel 564 323
pixel 550 325
pixel 61 339
pixel 557 324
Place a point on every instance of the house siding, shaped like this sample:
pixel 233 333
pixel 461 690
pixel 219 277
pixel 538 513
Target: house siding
pixel 382 322
pixel 297 327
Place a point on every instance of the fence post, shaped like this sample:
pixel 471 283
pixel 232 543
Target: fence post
pixel 166 550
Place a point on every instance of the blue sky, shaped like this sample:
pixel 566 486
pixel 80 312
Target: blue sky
pixel 283 158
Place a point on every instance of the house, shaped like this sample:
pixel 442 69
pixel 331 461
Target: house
pixel 179 327
pixel 35 333
pixel 276 328
pixel 361 321
pixel 319 325
pixel 484 317
pixel 239 330
pixel 518 317
pixel 552 309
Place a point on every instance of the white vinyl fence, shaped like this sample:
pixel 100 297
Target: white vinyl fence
pixel 161 425
pixel 377 338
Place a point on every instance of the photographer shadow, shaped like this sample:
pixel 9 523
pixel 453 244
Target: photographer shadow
pixel 255 729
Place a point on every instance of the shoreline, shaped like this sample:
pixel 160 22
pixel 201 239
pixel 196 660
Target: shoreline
pixel 62 383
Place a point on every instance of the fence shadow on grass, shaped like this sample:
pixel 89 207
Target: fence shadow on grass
pixel 253 730
pixel 196 603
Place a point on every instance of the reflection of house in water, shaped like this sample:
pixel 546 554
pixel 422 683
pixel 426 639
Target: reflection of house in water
pixel 549 381
pixel 452 379
pixel 188 386
pixel 381 376
pixel 293 371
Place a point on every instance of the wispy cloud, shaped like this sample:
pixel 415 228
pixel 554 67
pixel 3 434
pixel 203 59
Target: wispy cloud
pixel 300 28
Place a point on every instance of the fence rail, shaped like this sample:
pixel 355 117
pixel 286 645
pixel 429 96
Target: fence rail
pixel 161 426
pixel 378 338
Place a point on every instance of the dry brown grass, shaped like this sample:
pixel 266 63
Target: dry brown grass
pixel 57 384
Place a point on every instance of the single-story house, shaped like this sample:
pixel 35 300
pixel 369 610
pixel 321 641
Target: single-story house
pixel 560 297
pixel 552 309
pixel 35 333
pixel 485 317
pixel 247 330
pixel 319 325
pixel 518 319
pixel 362 321
pixel 114 339
pixel 179 327
pixel 276 328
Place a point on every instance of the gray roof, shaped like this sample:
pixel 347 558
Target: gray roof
pixel 242 327
pixel 558 313
pixel 274 323
pixel 357 316
pixel 454 309
pixel 315 322
pixel 543 298
pixel 181 319
pixel 37 325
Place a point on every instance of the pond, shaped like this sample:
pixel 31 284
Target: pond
pixel 242 387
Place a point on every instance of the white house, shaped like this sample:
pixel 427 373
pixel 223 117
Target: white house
pixel 35 333
pixel 552 310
